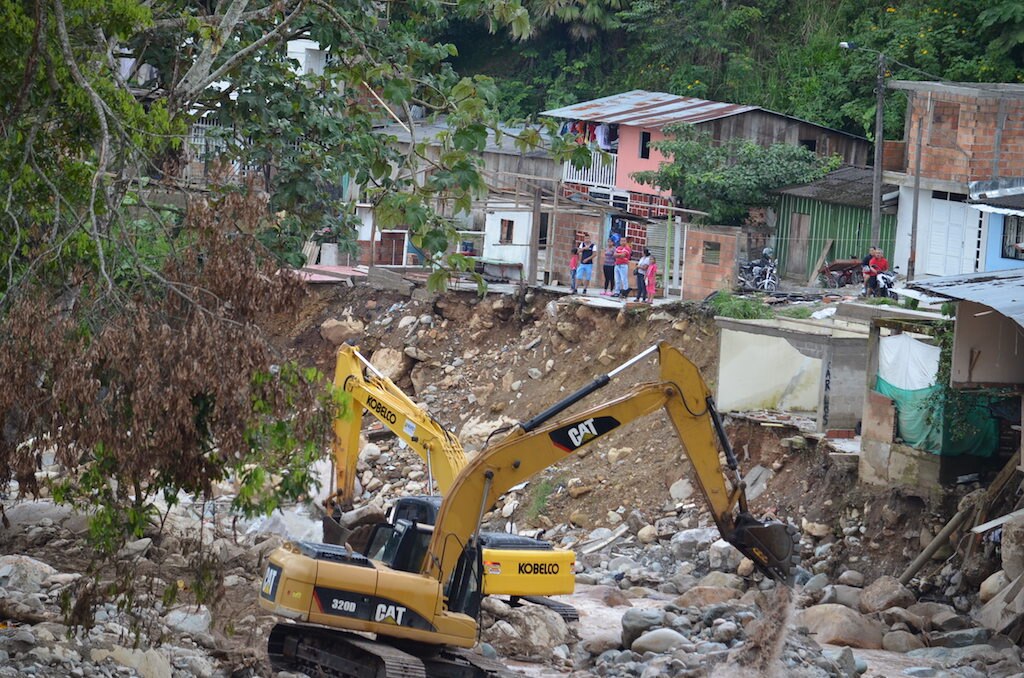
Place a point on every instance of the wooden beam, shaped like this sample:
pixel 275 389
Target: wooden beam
pixel 820 262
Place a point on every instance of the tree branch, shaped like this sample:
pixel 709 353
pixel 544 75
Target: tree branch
pixel 100 108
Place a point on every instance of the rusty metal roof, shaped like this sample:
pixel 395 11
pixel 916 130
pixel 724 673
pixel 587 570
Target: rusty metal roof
pixel 1002 291
pixel 648 109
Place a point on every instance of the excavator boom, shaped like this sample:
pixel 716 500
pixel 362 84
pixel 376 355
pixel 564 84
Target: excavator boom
pixel 538 443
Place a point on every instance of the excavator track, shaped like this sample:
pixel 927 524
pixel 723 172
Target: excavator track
pixel 567 612
pixel 324 652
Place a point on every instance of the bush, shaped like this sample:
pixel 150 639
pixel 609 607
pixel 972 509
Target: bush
pixel 729 305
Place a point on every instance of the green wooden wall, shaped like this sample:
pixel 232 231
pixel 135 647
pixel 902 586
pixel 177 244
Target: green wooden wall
pixel 849 227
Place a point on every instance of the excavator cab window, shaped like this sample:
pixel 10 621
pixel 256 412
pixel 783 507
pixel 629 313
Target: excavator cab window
pixel 401 546
pixel 464 587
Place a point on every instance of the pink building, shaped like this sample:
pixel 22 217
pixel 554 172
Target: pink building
pixel 625 126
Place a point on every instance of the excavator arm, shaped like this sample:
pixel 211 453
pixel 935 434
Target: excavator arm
pixel 378 395
pixel 540 442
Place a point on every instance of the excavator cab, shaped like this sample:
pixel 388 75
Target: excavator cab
pixel 400 545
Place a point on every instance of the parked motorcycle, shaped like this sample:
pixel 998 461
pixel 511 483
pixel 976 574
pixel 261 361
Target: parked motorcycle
pixel 887 283
pixel 759 275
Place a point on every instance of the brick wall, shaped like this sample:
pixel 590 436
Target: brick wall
pixel 958 141
pixel 700 277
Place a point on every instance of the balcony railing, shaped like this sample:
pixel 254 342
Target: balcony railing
pixel 600 173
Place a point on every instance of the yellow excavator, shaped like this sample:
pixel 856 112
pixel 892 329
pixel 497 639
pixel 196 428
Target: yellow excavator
pixel 418 587
pixel 516 566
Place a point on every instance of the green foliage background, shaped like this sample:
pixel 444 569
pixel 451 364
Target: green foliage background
pixel 784 56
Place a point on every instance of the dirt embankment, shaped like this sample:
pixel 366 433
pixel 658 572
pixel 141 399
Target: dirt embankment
pixel 487 361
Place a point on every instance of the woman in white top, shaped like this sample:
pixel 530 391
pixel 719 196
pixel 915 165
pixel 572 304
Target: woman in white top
pixel 641 275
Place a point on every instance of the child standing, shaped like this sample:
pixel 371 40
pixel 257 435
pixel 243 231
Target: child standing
pixel 652 278
pixel 574 263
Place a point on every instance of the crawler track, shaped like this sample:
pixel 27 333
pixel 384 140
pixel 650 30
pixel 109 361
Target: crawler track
pixel 323 652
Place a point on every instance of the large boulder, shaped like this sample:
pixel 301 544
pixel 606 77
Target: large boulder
pixel 475 431
pixel 842 595
pixel 23 574
pixel 883 593
pixel 992 585
pixel 638 621
pixel 392 363
pixel 687 543
pixel 726 579
pixel 339 331
pixel 901 641
pixel 724 556
pixel 659 641
pixel 702 596
pixel 1012 547
pixel 527 631
pixel 839 625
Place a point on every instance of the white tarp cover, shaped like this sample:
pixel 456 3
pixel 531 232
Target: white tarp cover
pixel 906 362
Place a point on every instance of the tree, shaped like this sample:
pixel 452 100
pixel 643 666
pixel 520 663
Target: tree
pixel 727 180
pixel 131 303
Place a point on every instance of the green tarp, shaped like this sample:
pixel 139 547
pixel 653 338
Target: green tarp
pixel 921 426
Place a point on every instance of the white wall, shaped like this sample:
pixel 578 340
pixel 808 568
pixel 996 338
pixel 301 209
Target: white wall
pixel 947 235
pixel 757 371
pixel 365 213
pixel 516 252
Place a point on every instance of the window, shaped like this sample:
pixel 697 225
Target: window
pixel 645 145
pixel 945 124
pixel 712 253
pixel 542 238
pixel 810 144
pixel 1013 233
pixel 507 230
pixel 946 195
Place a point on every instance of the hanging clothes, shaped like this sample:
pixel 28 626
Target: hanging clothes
pixel 602 134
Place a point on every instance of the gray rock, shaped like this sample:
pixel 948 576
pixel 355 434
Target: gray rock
pixel 842 595
pixel 659 640
pixel 687 543
pixel 681 489
pixel 920 672
pixel 901 641
pixel 635 622
pixel 844 661
pixel 1012 547
pixel 723 580
pixel 725 632
pixel 724 556
pixel 816 583
pixel 189 621
pixel 947 620
pixel 23 574
pixel 839 625
pixel 883 593
pixel 959 638
pixel 851 578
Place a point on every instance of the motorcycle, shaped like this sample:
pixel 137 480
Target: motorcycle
pixel 759 276
pixel 887 283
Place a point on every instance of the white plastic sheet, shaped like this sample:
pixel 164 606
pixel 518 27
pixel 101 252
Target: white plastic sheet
pixel 907 363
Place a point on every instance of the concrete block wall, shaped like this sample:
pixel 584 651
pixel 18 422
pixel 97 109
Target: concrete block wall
pixel 969 152
pixel 700 278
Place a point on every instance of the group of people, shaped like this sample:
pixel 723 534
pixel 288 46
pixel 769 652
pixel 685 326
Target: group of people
pixel 871 265
pixel 615 267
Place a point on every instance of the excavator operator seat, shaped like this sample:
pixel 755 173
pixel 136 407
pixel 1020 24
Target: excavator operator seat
pixel 400 546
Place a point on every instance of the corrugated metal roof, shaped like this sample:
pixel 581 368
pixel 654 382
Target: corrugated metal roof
pixel 849 185
pixel 648 109
pixel 1002 291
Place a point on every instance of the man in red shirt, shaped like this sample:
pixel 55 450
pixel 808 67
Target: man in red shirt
pixel 877 264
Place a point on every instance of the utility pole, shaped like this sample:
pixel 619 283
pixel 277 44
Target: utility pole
pixel 534 249
pixel 876 183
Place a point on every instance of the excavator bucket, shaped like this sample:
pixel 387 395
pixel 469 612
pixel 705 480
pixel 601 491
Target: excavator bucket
pixel 772 545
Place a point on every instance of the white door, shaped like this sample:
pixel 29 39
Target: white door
pixel 946 246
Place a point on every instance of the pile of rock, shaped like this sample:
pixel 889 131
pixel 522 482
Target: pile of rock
pixel 32 591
